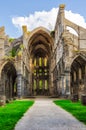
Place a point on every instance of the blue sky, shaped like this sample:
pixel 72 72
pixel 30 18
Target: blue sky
pixel 13 9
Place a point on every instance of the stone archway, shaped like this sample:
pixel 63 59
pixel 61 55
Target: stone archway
pixel 40 48
pixel 78 76
pixel 8 81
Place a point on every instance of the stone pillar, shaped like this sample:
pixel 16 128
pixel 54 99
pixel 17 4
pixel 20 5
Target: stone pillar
pixel 10 87
pixel 19 85
pixel 43 81
pixel 37 86
pixel 30 78
pixel 77 80
pixel 43 62
pixel 2 41
pixel 51 78
pixel 51 88
pixel 43 86
pixel 85 80
pixel 63 85
pixel 58 86
pixel 23 86
pixel 2 82
pixel 37 75
pixel 67 74
pixel 2 88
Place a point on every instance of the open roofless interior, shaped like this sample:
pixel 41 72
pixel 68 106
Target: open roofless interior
pixel 43 62
pixel 40 51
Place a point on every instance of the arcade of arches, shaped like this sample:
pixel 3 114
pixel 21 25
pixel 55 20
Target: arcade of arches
pixel 8 80
pixel 43 62
pixel 40 48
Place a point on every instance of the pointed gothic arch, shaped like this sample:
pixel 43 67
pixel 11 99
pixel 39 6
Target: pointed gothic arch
pixel 78 75
pixel 40 45
pixel 8 80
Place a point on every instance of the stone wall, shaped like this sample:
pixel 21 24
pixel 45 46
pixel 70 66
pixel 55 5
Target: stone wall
pixel 66 54
pixel 67 47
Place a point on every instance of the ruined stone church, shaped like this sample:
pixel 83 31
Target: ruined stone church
pixel 43 62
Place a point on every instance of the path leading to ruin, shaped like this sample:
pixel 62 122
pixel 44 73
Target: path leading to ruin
pixel 45 115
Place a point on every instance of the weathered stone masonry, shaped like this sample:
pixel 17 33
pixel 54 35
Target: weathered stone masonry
pixel 44 64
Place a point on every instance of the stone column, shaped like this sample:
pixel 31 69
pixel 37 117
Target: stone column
pixel 37 75
pixel 2 41
pixel 77 80
pixel 2 91
pixel 51 78
pixel 67 74
pixel 2 84
pixel 37 86
pixel 43 81
pixel 43 62
pixel 58 85
pixel 23 86
pixel 68 83
pixel 30 78
pixel 63 85
pixel 2 88
pixel 11 85
pixel 85 80
pixel 19 85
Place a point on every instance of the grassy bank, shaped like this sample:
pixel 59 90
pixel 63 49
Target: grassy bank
pixel 12 112
pixel 76 109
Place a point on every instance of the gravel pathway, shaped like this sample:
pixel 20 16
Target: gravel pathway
pixel 45 115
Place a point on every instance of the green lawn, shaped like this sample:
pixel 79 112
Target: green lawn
pixel 76 109
pixel 12 112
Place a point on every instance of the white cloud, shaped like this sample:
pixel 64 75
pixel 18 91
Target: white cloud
pixel 76 18
pixel 46 19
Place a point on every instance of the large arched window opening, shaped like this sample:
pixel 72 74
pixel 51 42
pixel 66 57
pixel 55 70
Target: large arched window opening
pixel 8 79
pixel 78 76
pixel 40 74
pixel 40 47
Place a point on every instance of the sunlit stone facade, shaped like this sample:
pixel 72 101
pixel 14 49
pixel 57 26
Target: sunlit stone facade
pixel 43 62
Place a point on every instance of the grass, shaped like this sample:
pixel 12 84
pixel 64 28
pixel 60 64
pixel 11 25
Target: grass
pixel 12 112
pixel 76 109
